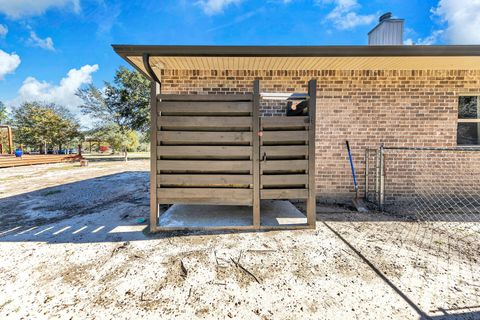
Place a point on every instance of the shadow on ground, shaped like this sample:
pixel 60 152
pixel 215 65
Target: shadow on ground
pixel 107 208
pixel 115 208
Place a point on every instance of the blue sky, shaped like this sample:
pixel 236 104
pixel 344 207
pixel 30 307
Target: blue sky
pixel 50 48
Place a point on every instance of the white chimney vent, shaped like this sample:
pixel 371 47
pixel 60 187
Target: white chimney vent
pixel 388 31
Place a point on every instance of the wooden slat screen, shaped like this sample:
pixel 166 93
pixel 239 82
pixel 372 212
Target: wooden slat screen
pixel 216 149
pixel 284 157
pixel 204 149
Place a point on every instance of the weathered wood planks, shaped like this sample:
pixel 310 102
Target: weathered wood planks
pixel 204 166
pixel 275 166
pixel 204 152
pixel 284 194
pixel 216 149
pixel 285 180
pixel 284 123
pixel 205 97
pixel 285 137
pixel 204 123
pixel 169 108
pixel 204 138
pixel 283 151
pixel 202 180
pixel 220 196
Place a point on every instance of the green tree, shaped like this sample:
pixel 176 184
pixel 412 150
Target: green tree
pixel 43 125
pixel 3 132
pixel 125 103
pixel 112 135
pixel 3 113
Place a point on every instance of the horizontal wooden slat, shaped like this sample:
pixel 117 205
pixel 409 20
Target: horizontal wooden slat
pixel 284 136
pixel 284 165
pixel 204 107
pixel 231 180
pixel 282 123
pixel 204 166
pixel 284 179
pixel 206 152
pixel 220 196
pixel 205 138
pixel 203 123
pixel 205 97
pixel 284 194
pixel 283 151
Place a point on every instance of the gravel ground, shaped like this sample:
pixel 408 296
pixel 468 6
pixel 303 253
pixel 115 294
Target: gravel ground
pixel 73 246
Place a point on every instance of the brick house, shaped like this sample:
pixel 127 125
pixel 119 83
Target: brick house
pixel 397 95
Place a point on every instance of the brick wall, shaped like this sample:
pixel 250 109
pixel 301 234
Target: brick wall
pixel 398 108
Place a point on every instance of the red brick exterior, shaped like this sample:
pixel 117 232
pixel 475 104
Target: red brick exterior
pixel 398 108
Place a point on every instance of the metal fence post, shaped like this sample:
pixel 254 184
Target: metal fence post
pixel 367 154
pixel 377 177
pixel 381 199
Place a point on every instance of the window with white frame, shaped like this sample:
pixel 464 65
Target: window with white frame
pixel 468 127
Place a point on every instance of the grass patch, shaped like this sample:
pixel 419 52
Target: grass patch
pixel 50 192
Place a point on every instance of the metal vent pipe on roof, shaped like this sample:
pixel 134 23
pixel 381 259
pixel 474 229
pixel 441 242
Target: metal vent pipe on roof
pixel 385 16
pixel 388 31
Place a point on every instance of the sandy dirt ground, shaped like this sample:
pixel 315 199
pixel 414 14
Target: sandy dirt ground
pixel 73 246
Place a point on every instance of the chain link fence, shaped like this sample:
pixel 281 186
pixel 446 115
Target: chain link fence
pixel 440 186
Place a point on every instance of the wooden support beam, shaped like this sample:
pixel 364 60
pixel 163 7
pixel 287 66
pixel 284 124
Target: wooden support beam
pixel 256 153
pixel 312 112
pixel 154 205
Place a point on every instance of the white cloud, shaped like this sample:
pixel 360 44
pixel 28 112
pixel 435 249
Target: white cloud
pixel 431 39
pixel 36 41
pixel 212 7
pixel 462 19
pixel 344 15
pixel 62 94
pixel 25 8
pixel 3 30
pixel 8 63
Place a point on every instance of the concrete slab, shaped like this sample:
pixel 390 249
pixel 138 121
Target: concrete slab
pixel 273 213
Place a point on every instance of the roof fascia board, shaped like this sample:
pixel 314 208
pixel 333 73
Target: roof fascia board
pixel 298 51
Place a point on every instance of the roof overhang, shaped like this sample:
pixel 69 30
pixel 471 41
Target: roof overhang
pixel 465 57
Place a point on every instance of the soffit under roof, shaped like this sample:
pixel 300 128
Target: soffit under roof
pixel 303 58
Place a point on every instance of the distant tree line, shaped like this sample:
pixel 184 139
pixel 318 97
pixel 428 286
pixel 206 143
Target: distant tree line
pixel 119 112
pixel 121 109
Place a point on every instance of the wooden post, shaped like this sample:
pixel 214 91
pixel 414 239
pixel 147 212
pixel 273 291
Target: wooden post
pixel 256 152
pixel 154 91
pixel 312 112
pixel 10 140
pixel 381 199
